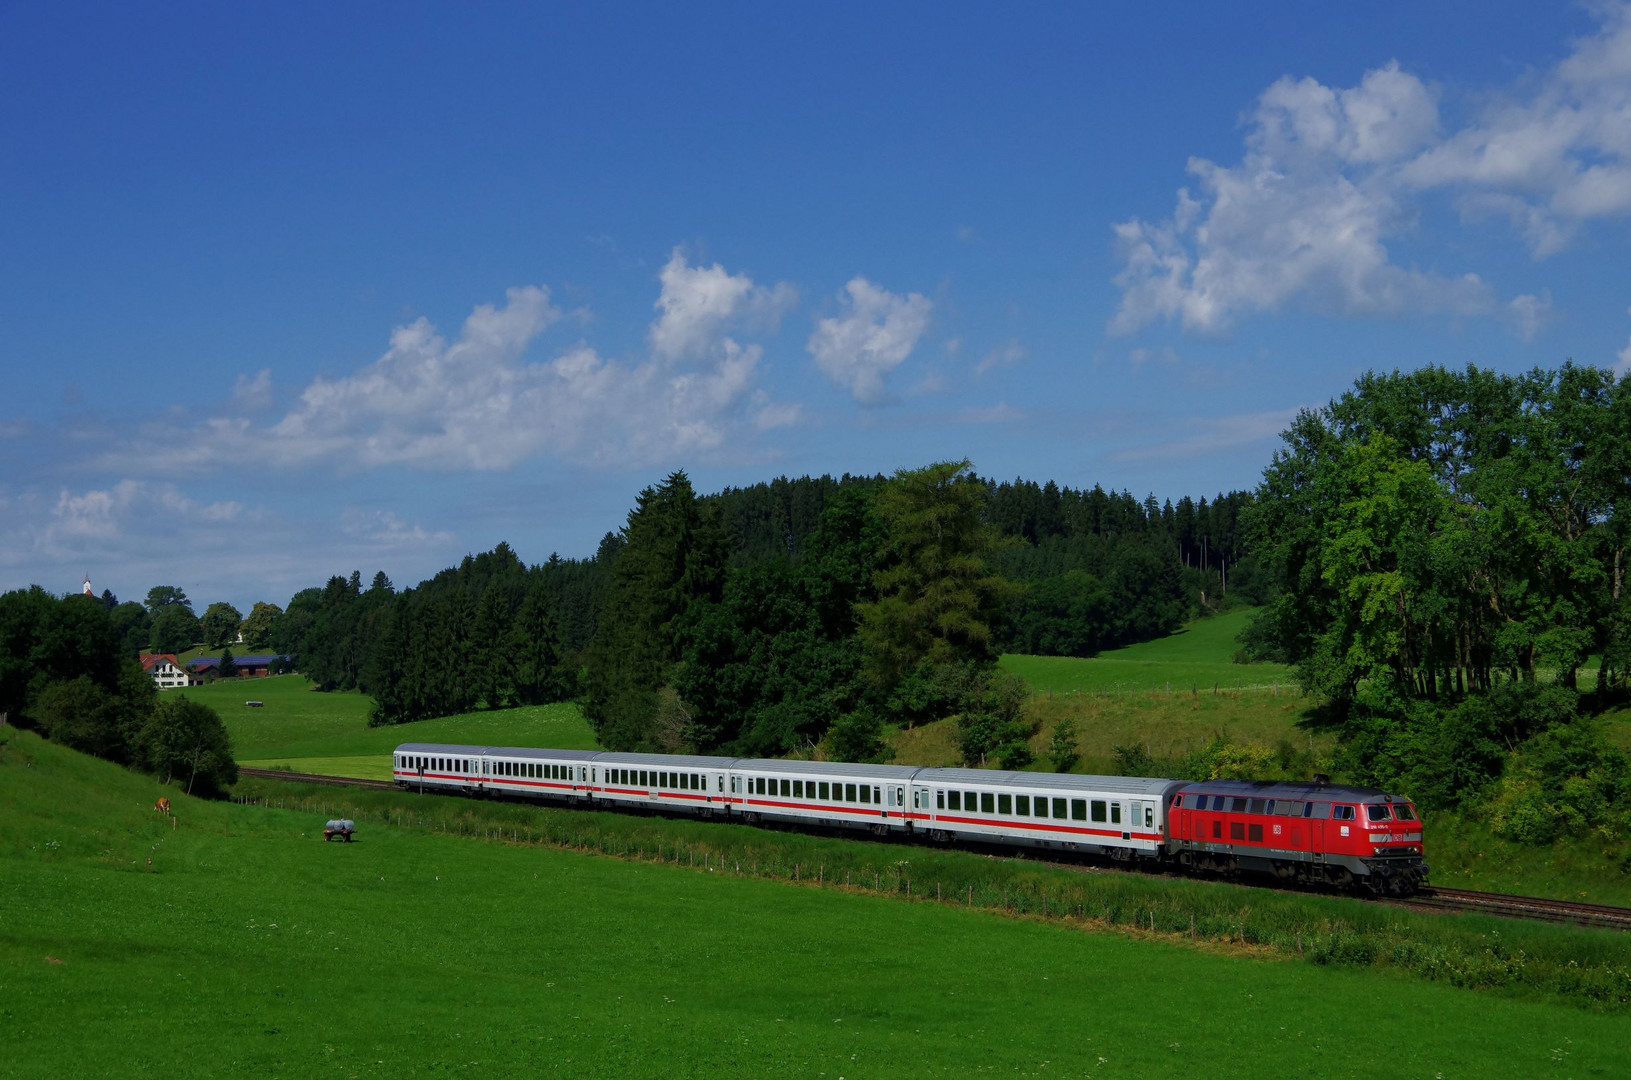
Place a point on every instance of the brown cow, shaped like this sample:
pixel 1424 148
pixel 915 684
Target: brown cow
pixel 163 805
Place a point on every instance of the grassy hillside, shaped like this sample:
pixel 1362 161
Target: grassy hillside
pixel 329 734
pixel 248 946
pixel 1198 657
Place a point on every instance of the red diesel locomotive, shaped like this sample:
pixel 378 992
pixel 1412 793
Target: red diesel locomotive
pixel 1307 833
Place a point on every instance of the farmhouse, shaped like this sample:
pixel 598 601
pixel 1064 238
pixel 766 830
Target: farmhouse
pixel 245 667
pixel 166 673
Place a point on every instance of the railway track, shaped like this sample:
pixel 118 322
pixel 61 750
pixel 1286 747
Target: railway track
pixel 1462 901
pixel 1521 907
pixel 313 778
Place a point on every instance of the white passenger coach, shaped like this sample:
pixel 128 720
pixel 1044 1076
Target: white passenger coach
pixel 1120 816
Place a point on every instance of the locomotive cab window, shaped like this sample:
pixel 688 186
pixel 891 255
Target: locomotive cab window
pixel 1378 812
pixel 1403 812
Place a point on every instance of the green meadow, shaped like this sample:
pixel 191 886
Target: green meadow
pixel 328 734
pixel 1198 658
pixel 236 942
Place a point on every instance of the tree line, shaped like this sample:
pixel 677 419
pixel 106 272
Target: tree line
pixel 1450 553
pixel 67 669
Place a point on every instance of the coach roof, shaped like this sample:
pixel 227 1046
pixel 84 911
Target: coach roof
pixel 1137 786
pixel 663 761
pixel 828 768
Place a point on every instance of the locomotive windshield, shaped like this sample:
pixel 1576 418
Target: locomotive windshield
pixel 1378 811
pixel 1404 812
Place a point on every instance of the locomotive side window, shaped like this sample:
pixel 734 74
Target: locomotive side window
pixel 1200 802
pixel 1258 806
pixel 1022 805
pixel 1378 812
pixel 1237 806
pixel 1342 813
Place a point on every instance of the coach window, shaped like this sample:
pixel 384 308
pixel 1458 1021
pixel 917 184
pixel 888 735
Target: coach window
pixel 798 789
pixel 1022 805
pixel 1005 804
pixel 849 793
pixel 1098 810
pixel 1041 806
pixel 1149 817
pixel 954 799
pixel 1078 809
pixel 1115 813
pixel 1059 807
pixel 787 789
pixel 866 793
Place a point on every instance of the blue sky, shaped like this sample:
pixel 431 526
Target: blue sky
pixel 292 290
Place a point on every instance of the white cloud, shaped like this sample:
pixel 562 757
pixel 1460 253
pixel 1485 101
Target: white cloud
pixel 874 333
pixel 698 303
pixel 107 514
pixel 476 403
pixel 1329 176
pixel 1003 356
pixel 383 529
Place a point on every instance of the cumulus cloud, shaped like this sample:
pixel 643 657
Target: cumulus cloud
pixel 874 332
pixel 477 403
pixel 106 514
pixel 1330 175
pixel 698 303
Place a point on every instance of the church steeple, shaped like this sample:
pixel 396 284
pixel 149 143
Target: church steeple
pixel 87 590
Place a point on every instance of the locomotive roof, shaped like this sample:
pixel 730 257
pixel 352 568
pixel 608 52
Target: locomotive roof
pixel 1142 786
pixel 1294 789
pixel 663 761
pixel 829 768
